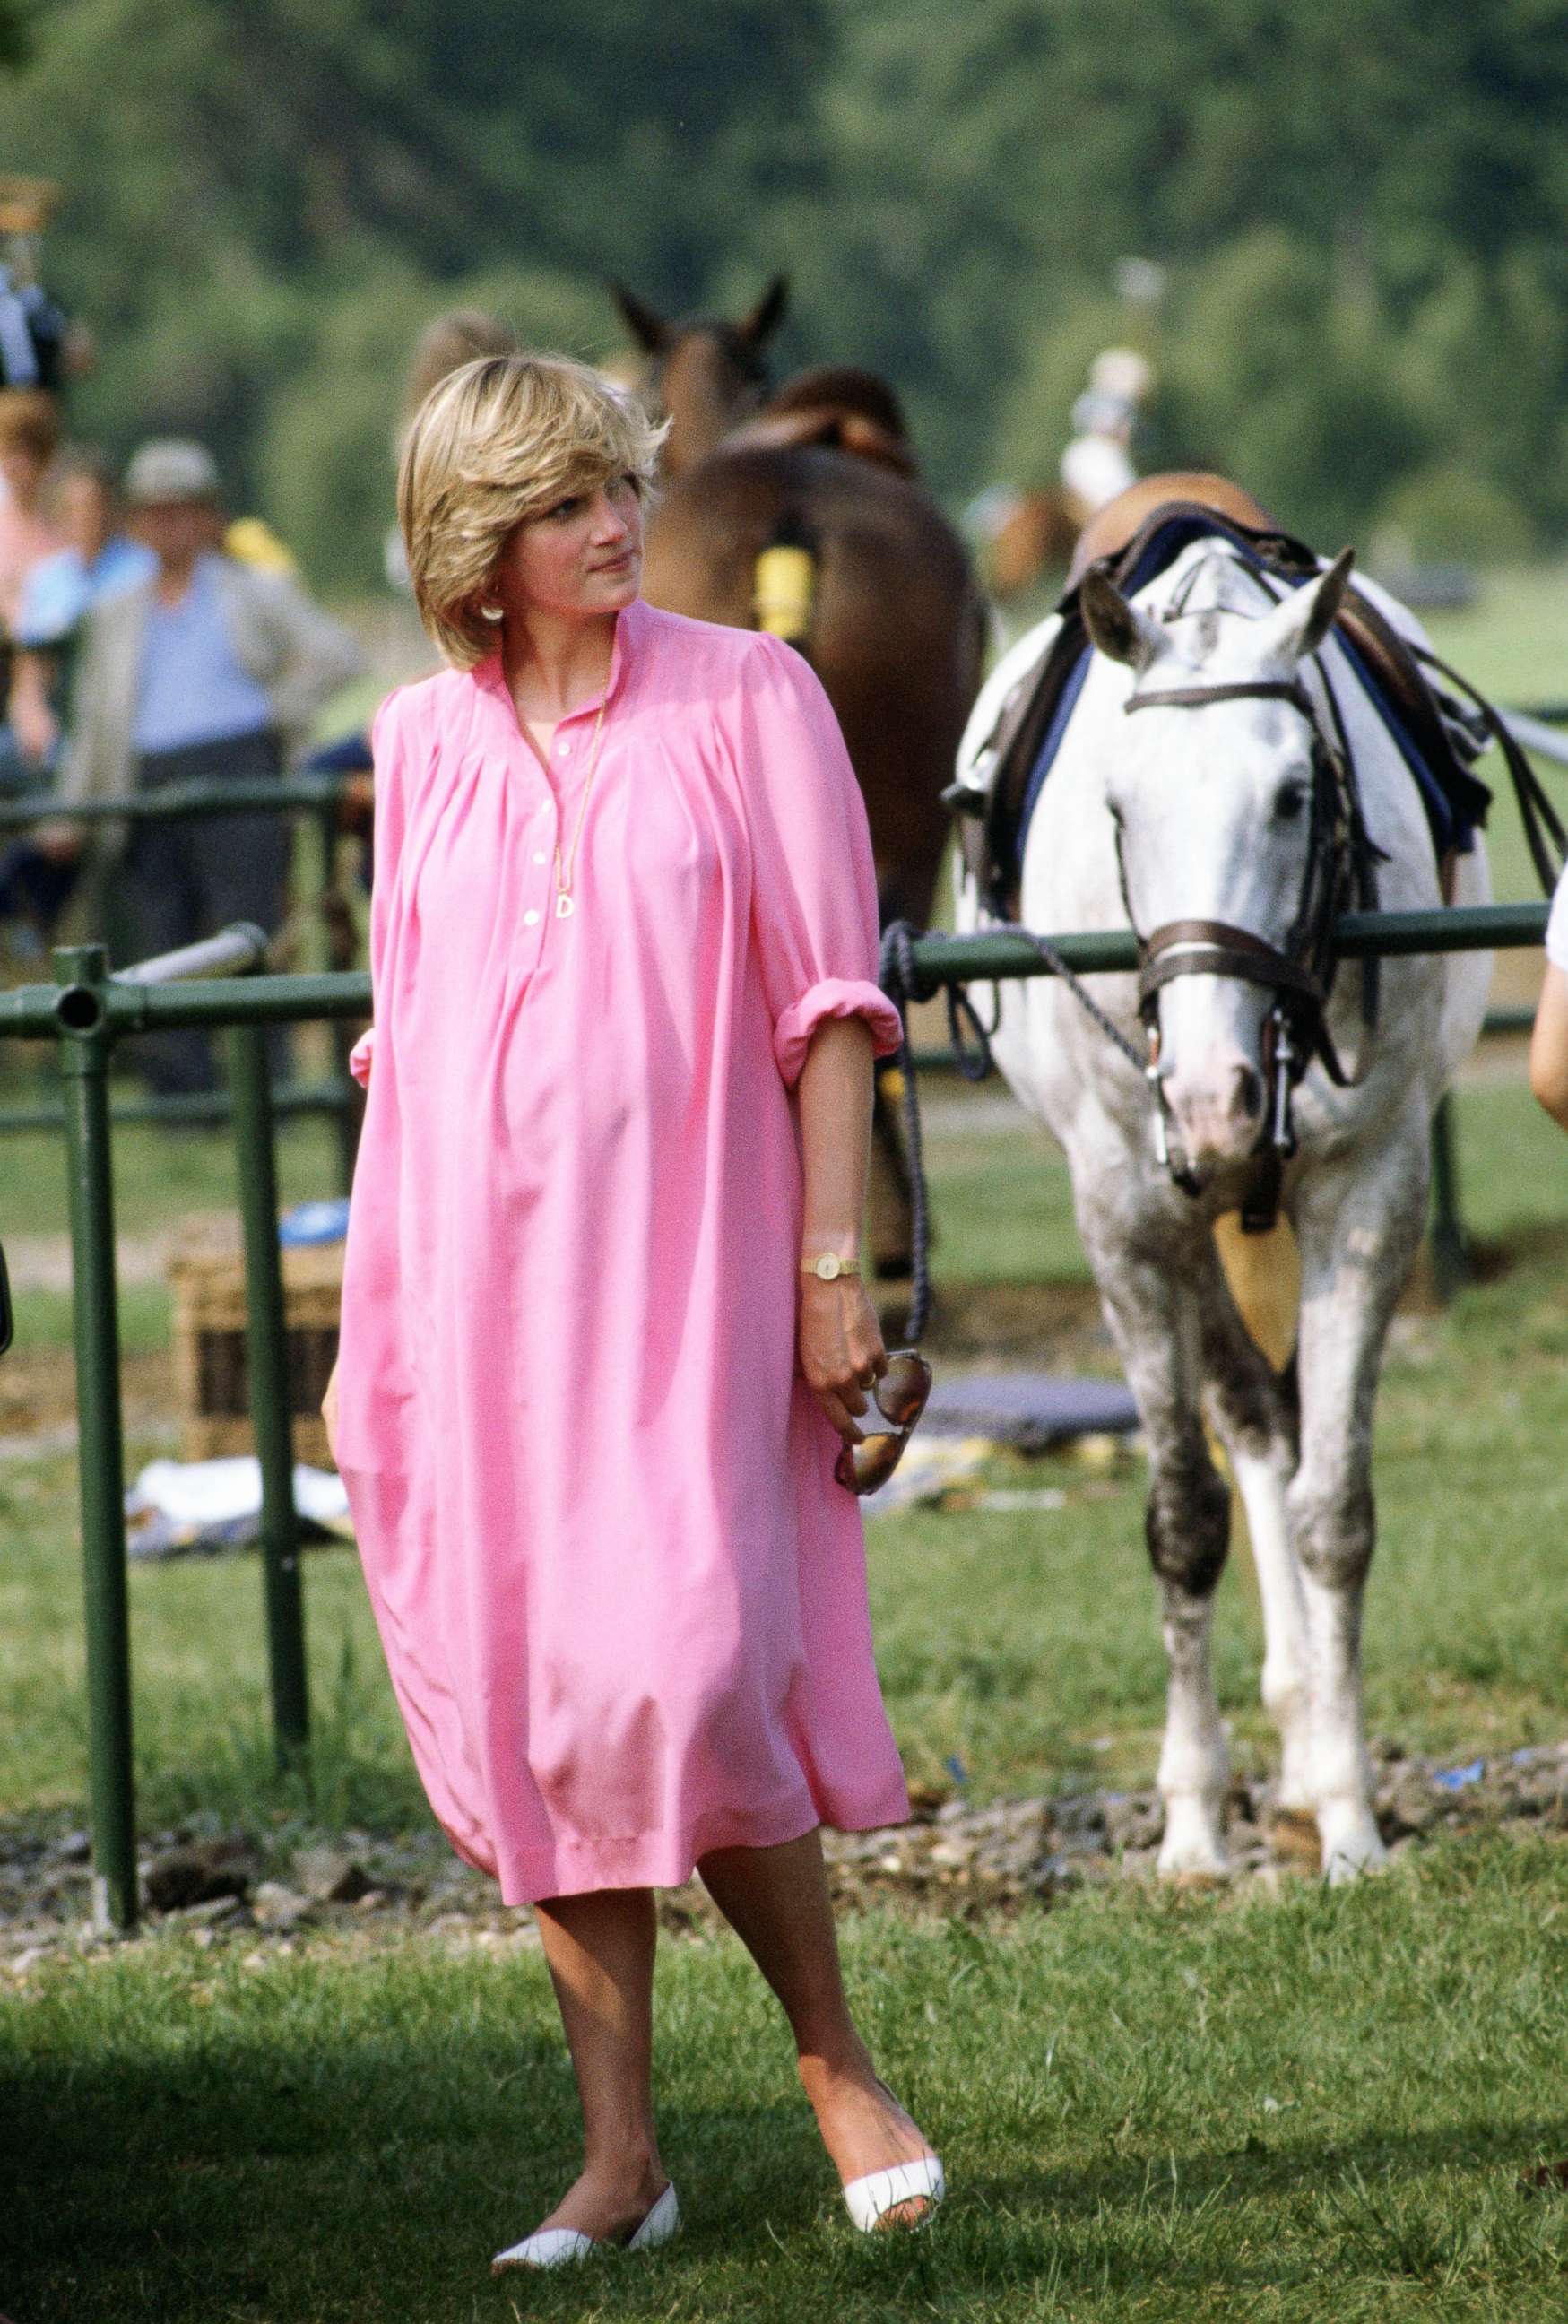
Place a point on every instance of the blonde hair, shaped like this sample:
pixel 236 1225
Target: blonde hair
pixel 494 444
pixel 445 344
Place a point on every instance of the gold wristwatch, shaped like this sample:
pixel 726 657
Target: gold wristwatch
pixel 827 1267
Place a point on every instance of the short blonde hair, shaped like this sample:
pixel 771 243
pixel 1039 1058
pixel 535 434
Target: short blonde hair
pixel 494 444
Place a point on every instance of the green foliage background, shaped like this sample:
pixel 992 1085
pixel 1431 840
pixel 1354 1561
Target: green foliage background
pixel 1362 207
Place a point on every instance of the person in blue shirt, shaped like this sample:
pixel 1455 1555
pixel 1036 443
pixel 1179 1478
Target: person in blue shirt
pixel 208 671
pixel 99 560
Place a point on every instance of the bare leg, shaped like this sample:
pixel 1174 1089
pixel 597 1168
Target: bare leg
pixel 776 1900
pixel 600 1951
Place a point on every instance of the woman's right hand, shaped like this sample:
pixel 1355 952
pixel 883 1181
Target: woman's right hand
pixel 329 1414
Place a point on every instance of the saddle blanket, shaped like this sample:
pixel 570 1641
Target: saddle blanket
pixel 1454 800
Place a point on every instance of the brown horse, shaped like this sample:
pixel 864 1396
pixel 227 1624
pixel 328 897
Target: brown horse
pixel 708 373
pixel 890 615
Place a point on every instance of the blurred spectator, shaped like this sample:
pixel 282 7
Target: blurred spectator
pixel 1097 464
pixel 209 672
pixel 38 344
pixel 28 439
pixel 1549 1041
pixel 100 558
pixel 252 539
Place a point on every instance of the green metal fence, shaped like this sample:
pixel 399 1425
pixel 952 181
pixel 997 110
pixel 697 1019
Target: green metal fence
pixel 86 1011
pixel 318 797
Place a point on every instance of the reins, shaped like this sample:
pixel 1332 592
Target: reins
pixel 1341 868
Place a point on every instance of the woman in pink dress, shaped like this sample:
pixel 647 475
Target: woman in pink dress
pixel 594 1370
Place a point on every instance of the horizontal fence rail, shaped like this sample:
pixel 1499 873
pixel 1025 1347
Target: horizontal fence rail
pixel 993 953
pixel 175 799
pixel 1530 731
pixel 87 1010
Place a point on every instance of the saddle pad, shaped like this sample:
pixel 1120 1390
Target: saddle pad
pixel 1455 802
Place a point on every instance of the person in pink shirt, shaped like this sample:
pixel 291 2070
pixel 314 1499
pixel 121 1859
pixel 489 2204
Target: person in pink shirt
pixel 603 1335
pixel 1549 1039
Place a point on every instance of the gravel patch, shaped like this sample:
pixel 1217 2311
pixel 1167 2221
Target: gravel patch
pixel 356 1891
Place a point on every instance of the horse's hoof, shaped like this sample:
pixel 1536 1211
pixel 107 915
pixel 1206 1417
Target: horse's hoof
pixel 1193 1852
pixel 1199 1884
pixel 1351 1845
pixel 1294 1838
pixel 1341 1869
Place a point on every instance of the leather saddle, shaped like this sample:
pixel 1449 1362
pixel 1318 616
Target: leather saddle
pixel 835 408
pixel 1134 544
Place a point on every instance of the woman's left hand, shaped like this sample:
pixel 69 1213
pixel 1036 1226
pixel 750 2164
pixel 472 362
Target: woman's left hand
pixel 841 1348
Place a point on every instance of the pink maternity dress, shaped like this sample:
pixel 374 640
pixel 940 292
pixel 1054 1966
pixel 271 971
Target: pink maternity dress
pixel 622 1597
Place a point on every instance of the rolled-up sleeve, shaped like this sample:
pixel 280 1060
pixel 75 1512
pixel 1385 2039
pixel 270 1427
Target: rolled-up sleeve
pixel 386 755
pixel 814 890
pixel 1557 927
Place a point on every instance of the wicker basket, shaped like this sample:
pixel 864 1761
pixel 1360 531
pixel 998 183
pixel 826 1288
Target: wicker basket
pixel 207 1276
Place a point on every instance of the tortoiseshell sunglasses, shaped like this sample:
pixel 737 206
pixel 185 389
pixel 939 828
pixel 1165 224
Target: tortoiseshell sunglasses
pixel 900 1395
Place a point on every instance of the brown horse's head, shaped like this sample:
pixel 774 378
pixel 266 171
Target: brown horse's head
pixel 708 373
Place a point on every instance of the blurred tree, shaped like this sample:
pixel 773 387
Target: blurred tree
pixel 238 169
pixel 1362 213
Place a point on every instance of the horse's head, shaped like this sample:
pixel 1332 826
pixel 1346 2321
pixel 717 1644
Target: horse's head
pixel 708 373
pixel 1217 792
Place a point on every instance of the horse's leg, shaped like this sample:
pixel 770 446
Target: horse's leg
pixel 1155 1319
pixel 1256 1413
pixel 1359 1230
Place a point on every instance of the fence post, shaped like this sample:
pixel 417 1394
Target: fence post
pixel 1450 1245
pixel 338 943
pixel 86 1044
pixel 267 1365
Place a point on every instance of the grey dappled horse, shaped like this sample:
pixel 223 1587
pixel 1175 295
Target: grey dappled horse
pixel 1202 809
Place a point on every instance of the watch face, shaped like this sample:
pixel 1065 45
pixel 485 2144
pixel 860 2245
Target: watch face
pixel 827 1267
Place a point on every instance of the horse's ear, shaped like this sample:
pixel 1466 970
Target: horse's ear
pixel 767 314
pixel 649 330
pixel 1115 627
pixel 1309 612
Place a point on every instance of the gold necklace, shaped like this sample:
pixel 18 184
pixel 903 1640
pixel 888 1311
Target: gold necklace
pixel 565 907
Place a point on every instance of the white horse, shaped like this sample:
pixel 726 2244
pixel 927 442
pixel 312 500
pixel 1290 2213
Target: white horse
pixel 1203 810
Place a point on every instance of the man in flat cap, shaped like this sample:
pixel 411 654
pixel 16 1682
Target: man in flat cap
pixel 210 671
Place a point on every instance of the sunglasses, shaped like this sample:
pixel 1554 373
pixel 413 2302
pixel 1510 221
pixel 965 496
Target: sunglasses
pixel 900 1397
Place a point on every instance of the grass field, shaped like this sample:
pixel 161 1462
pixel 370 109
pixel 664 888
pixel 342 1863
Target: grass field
pixel 1152 2106
pixel 1234 2105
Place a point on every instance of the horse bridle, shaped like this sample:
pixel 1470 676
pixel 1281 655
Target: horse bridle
pixel 1339 859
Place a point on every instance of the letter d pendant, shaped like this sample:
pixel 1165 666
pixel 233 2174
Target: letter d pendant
pixel 565 907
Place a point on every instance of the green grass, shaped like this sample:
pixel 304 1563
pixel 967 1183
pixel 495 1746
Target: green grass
pixel 1026 1644
pixel 1150 2107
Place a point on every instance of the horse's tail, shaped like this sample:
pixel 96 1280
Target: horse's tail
pixel 784 582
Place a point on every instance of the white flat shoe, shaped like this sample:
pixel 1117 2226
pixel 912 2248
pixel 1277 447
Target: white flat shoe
pixel 871 2198
pixel 558 2246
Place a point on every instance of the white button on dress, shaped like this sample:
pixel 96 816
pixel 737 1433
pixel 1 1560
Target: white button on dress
pixel 529 919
